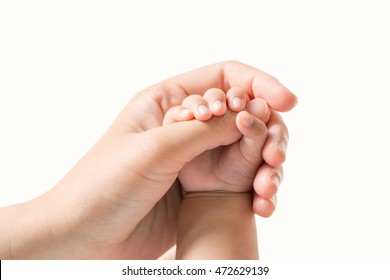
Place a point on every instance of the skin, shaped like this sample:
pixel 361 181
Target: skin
pixel 229 168
pixel 216 225
pixel 216 220
pixel 122 199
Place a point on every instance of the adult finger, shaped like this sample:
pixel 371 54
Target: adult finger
pixel 171 142
pixel 267 180
pixel 264 207
pixel 254 136
pixel 226 75
pixel 274 152
pixel 259 108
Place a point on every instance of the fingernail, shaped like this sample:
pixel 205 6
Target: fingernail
pixel 274 200
pixel 236 102
pixel 282 145
pixel 247 121
pixel 217 105
pixel 184 112
pixel 276 180
pixel 203 110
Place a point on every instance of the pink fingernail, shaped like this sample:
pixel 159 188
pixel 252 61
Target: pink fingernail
pixel 274 200
pixel 184 112
pixel 282 145
pixel 276 180
pixel 217 105
pixel 236 102
pixel 203 110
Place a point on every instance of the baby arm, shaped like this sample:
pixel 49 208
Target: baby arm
pixel 216 218
pixel 217 225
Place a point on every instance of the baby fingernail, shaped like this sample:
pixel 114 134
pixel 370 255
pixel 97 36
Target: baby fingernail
pixel 184 112
pixel 203 110
pixel 217 105
pixel 236 102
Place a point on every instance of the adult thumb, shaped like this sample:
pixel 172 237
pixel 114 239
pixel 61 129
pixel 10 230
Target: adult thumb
pixel 178 143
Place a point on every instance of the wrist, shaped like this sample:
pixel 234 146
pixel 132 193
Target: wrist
pixel 216 194
pixel 35 230
pixel 217 225
pixel 29 233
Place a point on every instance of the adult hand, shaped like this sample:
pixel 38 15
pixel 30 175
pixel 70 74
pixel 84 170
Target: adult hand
pixel 226 75
pixel 122 199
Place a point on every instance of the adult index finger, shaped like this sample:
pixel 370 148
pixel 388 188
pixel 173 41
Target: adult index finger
pixel 228 74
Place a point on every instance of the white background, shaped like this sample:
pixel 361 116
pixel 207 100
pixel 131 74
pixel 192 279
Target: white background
pixel 68 67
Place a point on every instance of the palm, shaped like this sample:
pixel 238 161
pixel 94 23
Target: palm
pixel 156 232
pixel 160 222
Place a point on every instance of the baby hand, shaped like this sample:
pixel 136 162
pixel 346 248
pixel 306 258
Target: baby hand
pixel 233 166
